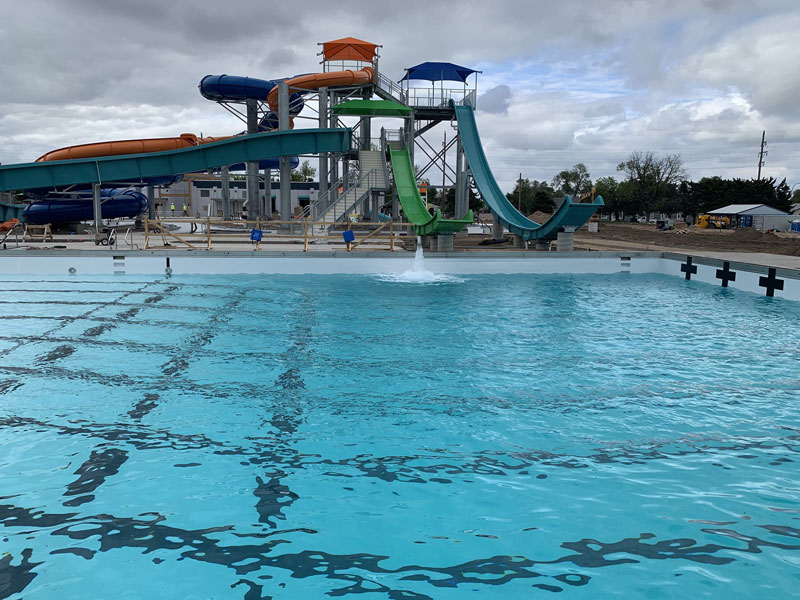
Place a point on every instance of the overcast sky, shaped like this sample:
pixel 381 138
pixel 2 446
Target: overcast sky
pixel 562 82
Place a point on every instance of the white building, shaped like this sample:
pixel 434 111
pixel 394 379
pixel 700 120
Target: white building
pixel 203 197
pixel 757 216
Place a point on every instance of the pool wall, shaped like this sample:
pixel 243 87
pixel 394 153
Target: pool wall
pixel 758 279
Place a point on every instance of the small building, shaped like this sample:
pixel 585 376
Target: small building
pixel 203 195
pixel 757 216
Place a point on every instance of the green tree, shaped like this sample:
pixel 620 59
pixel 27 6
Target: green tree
pixel 783 197
pixel 305 173
pixel 530 196
pixel 607 188
pixel 651 177
pixel 575 182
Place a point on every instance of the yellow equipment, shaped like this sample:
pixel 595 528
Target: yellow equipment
pixel 712 222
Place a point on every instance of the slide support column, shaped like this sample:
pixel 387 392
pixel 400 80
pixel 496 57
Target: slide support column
pixel 151 202
pixel 323 157
pixel 286 168
pixel 226 194
pixel 252 166
pixel 462 197
pixel 98 207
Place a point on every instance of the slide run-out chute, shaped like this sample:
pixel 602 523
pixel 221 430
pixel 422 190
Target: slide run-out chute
pixel 423 222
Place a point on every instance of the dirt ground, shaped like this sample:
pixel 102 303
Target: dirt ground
pixel 644 236
pixel 632 235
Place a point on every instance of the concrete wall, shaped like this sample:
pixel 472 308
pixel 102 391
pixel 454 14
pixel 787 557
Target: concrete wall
pixel 703 271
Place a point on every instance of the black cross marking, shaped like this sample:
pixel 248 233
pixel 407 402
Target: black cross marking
pixel 726 274
pixel 689 268
pixel 770 282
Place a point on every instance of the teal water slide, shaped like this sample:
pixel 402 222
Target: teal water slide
pixel 414 209
pixel 135 167
pixel 571 214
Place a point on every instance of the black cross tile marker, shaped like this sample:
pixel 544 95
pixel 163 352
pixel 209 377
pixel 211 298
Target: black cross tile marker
pixel 726 274
pixel 771 282
pixel 689 268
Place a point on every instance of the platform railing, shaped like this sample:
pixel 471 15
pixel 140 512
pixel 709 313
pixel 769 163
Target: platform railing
pixel 434 97
pixel 390 87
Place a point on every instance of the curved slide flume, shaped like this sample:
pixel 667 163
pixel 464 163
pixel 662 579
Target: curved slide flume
pixel 314 81
pixel 570 214
pixel 423 223
pixel 116 203
pixel 134 167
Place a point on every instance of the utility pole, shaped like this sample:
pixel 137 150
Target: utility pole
pixel 762 153
pixel 519 193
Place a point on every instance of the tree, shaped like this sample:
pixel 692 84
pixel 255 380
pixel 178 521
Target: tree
pixel 783 197
pixel 531 196
pixel 607 188
pixel 305 173
pixel 652 177
pixel 576 181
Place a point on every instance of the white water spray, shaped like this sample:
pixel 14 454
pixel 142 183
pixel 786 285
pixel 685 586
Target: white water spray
pixel 418 273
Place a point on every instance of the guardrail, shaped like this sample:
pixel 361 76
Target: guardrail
pixel 208 232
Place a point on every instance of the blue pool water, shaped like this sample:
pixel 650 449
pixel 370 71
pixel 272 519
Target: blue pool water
pixel 306 437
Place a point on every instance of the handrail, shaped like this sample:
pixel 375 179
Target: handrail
pixel 14 230
pixel 390 87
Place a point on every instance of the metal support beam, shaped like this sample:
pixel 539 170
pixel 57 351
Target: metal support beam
pixel 323 156
pixel 334 168
pixel 286 168
pixel 268 208
pixel 462 194
pixel 98 207
pixel 226 194
pixel 410 142
pixel 151 202
pixel 253 211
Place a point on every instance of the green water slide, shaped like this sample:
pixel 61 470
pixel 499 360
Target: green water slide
pixel 423 223
pixel 570 215
pixel 135 167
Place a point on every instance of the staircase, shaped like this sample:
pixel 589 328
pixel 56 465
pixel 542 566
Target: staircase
pixel 337 205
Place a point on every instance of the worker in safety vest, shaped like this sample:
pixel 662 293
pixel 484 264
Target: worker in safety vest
pixel 185 208
pixel 172 207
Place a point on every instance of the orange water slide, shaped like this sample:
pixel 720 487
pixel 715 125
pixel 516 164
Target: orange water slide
pixel 97 149
pixel 314 81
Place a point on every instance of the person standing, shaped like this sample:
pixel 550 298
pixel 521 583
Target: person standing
pixel 172 208
pixel 185 210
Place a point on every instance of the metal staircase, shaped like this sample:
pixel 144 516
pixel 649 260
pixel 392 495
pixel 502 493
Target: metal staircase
pixel 344 195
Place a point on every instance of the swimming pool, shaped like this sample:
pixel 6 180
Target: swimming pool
pixel 296 436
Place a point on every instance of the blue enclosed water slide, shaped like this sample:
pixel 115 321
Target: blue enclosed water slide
pixel 116 203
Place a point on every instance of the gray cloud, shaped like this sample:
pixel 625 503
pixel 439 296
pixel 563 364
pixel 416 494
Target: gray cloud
pixel 495 100
pixel 592 81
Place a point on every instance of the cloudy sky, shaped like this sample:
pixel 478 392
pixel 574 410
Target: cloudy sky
pixel 562 82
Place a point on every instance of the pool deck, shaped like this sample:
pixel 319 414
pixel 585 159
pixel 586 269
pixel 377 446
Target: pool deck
pixel 87 247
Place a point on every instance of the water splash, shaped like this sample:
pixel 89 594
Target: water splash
pixel 418 273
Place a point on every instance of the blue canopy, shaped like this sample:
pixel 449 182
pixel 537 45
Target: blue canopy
pixel 438 71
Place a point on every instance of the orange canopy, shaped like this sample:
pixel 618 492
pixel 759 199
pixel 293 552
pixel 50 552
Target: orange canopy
pixel 349 49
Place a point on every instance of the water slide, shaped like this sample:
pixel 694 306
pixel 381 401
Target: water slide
pixel 115 203
pixel 423 223
pixel 571 214
pixel 138 167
